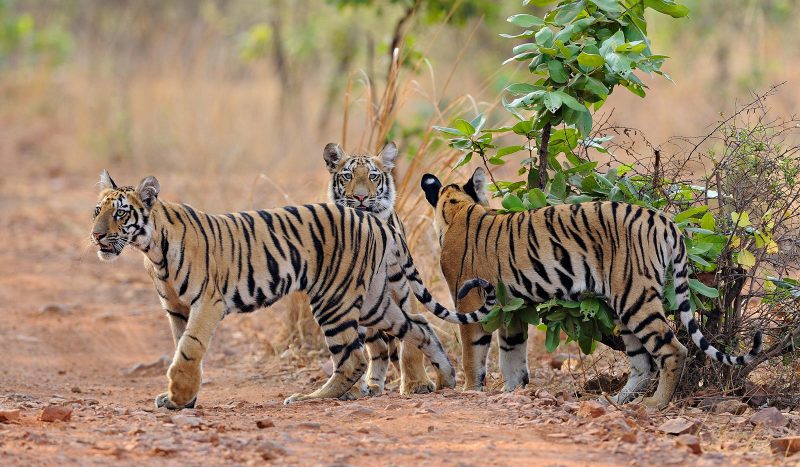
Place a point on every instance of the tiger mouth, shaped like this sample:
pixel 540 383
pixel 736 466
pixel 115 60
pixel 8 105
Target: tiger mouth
pixel 106 249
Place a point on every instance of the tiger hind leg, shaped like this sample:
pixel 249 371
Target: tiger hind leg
pixel 514 357
pixel 350 363
pixel 642 368
pixel 378 349
pixel 650 327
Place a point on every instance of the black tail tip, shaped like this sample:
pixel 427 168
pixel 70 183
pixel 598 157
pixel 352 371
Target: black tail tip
pixel 757 341
pixel 471 284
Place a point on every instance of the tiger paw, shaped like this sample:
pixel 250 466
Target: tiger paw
pixel 163 400
pixel 417 387
pixel 375 390
pixel 356 392
pixel 294 398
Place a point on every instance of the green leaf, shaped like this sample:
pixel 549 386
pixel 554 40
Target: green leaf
pixel 514 304
pixel 478 122
pixel 464 160
pixel 529 315
pixel 703 289
pixel 667 7
pixel 746 259
pixel 568 12
pixel 558 187
pixel 590 60
pixel 585 342
pixel 525 21
pixel 448 131
pixel 669 295
pixel 689 213
pixel 512 202
pixel 493 320
pixel 740 220
pixel 611 6
pixel 464 126
pixel 501 292
pixel 552 337
pixel 537 198
pixel 504 151
pixel 552 101
pixel 521 89
pixel 708 222
pixel 544 37
pixel 557 72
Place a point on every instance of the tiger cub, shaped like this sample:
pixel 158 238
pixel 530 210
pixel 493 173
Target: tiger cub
pixel 366 183
pixel 206 266
pixel 618 251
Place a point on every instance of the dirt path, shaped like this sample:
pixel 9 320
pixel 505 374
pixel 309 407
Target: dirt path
pixel 89 336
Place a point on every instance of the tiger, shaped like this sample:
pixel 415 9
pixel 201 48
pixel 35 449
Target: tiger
pixel 204 267
pixel 365 182
pixel 620 252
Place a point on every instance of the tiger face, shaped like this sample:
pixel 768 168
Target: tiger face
pixel 362 181
pixel 121 216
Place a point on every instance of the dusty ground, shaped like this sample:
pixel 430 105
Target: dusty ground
pixel 78 333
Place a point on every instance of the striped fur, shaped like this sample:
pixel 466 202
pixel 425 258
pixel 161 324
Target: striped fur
pixel 618 251
pixel 207 266
pixel 365 182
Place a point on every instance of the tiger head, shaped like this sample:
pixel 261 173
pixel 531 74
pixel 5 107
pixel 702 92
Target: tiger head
pixel 122 216
pixel 362 181
pixel 450 199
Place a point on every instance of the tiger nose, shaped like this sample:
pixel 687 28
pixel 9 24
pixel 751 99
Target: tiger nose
pixel 98 235
pixel 360 197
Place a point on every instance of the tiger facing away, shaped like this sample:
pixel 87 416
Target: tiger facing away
pixel 618 251
pixel 207 266
pixel 365 182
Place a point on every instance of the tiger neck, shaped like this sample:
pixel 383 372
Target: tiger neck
pixel 159 235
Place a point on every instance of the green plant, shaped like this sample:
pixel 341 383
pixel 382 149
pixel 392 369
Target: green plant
pixel 578 53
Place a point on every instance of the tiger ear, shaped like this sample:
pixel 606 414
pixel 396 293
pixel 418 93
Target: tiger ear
pixel 431 186
pixel 332 155
pixel 148 190
pixel 387 155
pixel 106 182
pixel 476 187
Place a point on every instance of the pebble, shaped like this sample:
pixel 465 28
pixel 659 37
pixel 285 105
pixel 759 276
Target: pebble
pixel 54 413
pixel 769 417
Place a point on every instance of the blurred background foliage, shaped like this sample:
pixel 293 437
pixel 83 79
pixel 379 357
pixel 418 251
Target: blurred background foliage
pixel 221 83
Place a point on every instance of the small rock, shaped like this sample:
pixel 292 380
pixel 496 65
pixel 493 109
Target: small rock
pixel 690 441
pixel 543 394
pixel 76 390
pixel 769 417
pixel 54 413
pixel 270 450
pixel 363 430
pixel 679 426
pixel 265 423
pixel 629 437
pixel 309 425
pixel 558 361
pixel 735 407
pixel 9 415
pixel 431 428
pixel 186 421
pixel 755 395
pixel 591 409
pixel 54 309
pixel 392 407
pixel 785 446
pixel 149 369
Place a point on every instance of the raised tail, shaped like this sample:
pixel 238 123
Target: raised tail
pixel 425 297
pixel 680 270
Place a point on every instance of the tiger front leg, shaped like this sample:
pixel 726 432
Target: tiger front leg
pixel 350 362
pixel 186 372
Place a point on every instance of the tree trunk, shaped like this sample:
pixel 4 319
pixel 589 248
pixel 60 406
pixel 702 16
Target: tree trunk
pixel 543 156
